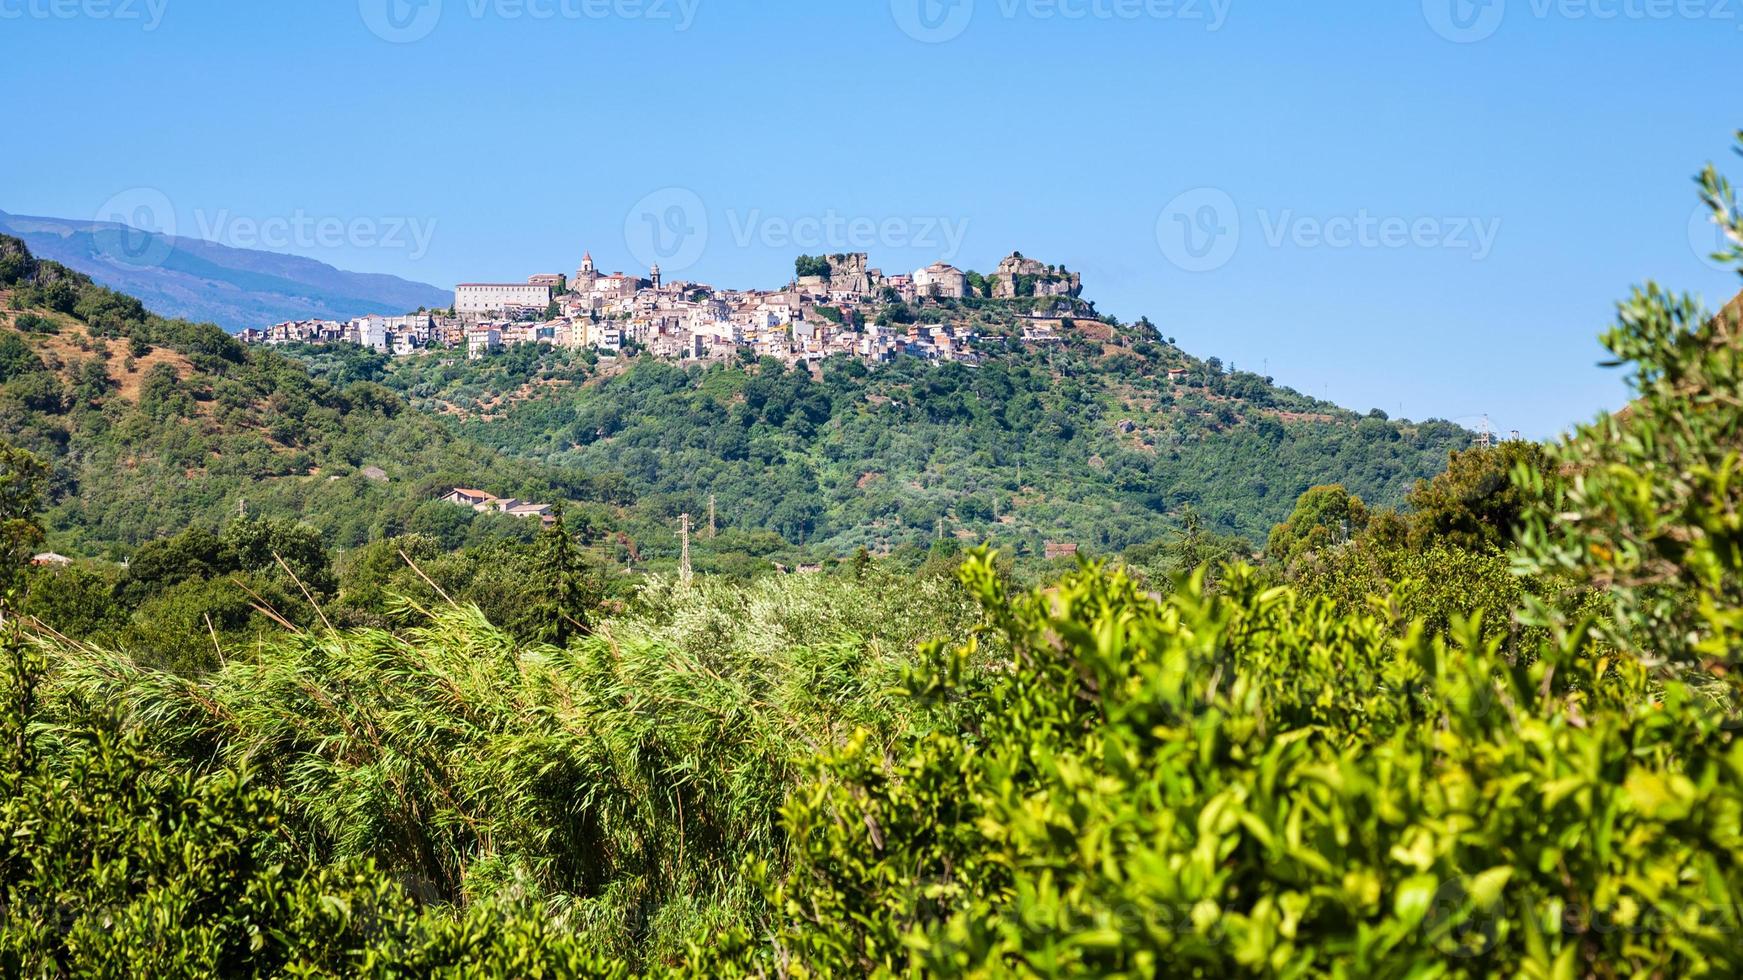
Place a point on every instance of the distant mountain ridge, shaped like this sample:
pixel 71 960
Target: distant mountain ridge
pixel 205 281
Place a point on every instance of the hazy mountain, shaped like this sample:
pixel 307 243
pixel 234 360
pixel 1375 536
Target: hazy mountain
pixel 201 280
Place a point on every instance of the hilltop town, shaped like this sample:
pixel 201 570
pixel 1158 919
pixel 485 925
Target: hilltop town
pixel 835 305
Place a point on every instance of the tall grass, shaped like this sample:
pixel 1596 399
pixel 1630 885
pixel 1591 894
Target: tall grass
pixel 621 782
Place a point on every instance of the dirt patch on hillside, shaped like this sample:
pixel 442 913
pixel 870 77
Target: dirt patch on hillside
pixel 128 382
pixel 67 350
pixel 1304 417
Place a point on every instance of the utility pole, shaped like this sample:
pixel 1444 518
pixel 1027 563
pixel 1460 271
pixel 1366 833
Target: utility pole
pixel 711 517
pixel 684 572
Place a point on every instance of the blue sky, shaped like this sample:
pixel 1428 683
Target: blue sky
pixel 1413 206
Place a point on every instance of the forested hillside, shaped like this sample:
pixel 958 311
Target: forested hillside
pixel 1491 732
pixel 153 425
pixel 1086 441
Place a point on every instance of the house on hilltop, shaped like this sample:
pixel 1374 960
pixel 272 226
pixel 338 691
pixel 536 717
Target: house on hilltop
pixel 489 503
pixel 940 281
pixel 475 499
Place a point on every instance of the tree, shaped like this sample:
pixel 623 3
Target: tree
pixel 259 545
pixel 23 483
pixel 564 590
pixel 16 358
pixel 1475 504
pixel 1323 517
pixel 1648 511
pixel 16 263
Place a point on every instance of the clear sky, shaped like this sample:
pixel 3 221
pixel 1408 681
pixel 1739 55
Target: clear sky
pixel 1425 206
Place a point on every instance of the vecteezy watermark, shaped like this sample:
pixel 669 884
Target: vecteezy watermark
pixel 1709 241
pixel 932 21
pixel 1200 231
pixel 1364 230
pixel 147 13
pixel 670 228
pixel 1470 21
pixel 137 229
pixel 301 231
pixel 667 228
pixel 834 232
pixel 937 21
pixel 405 21
pixel 400 21
pixel 1465 21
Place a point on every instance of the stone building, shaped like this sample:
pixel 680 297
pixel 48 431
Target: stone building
pixel 477 298
pixel 940 281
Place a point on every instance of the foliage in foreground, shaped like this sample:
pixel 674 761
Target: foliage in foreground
pixel 609 790
pixel 116 861
pixel 1093 779
pixel 1253 782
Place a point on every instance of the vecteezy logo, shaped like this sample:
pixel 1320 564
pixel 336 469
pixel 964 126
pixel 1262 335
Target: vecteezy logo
pixel 1708 239
pixel 1465 21
pixel 1199 230
pixel 135 228
pixel 668 228
pixel 400 21
pixel 932 21
pixel 1463 918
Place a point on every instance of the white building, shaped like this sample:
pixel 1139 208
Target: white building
pixel 605 335
pixel 481 341
pixel 499 297
pixel 372 333
pixel 940 281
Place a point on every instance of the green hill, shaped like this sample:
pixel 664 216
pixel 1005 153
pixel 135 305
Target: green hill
pixel 153 425
pixel 1084 442
pixel 156 424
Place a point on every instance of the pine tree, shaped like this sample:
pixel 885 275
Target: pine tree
pixel 563 585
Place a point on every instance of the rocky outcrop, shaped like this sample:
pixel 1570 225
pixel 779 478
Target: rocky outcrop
pixel 1019 276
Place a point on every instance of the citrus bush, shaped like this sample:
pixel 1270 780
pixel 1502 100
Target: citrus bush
pixel 1249 783
pixel 1537 778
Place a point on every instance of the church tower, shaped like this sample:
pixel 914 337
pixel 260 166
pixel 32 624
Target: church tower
pixel 654 275
pixel 585 277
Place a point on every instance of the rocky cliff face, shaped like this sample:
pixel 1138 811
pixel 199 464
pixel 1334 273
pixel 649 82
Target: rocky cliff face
pixel 1020 276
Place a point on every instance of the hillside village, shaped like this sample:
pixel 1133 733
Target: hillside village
pixel 835 305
